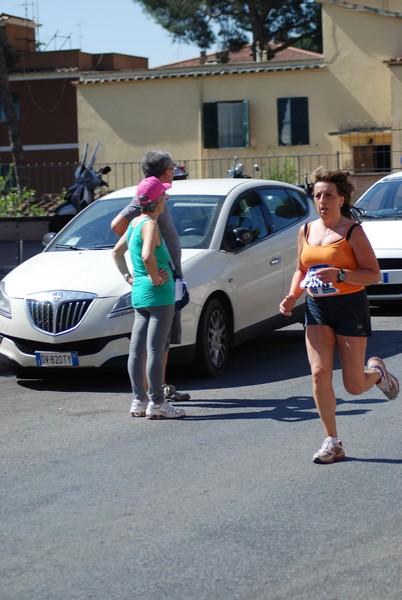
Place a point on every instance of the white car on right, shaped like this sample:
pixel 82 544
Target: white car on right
pixel 381 208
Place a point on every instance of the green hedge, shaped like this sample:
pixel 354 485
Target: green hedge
pixel 24 204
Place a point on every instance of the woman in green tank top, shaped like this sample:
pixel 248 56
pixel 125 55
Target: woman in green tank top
pixel 153 300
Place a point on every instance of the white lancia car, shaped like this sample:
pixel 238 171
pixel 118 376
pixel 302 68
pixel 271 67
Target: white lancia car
pixel 69 307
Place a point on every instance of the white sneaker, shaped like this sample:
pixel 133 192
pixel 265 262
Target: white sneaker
pixel 330 451
pixel 165 410
pixel 138 408
pixel 388 383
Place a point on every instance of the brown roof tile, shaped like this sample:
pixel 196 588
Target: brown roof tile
pixel 245 55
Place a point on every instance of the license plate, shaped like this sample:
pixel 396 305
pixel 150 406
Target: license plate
pixel 384 277
pixel 56 359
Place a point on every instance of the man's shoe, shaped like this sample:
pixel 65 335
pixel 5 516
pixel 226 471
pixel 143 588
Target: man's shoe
pixel 388 383
pixel 172 394
pixel 138 408
pixel 165 410
pixel 329 452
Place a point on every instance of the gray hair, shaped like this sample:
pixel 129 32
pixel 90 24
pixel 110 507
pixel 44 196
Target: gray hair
pixel 149 208
pixel 155 162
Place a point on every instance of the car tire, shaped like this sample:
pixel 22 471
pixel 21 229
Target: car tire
pixel 213 340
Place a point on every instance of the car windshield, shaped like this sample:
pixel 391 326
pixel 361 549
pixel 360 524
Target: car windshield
pixel 194 218
pixel 90 229
pixel 382 201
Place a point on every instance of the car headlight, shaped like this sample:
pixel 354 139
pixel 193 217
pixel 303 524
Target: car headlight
pixel 122 307
pixel 5 307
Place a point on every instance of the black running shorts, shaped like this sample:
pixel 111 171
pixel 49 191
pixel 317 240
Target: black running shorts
pixel 346 314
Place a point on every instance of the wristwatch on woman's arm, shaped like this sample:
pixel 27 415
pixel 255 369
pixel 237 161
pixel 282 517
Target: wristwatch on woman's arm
pixel 341 276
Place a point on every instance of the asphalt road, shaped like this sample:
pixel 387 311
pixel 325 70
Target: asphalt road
pixel 224 505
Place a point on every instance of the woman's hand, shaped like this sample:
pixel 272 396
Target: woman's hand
pixel 327 274
pixel 287 304
pixel 162 277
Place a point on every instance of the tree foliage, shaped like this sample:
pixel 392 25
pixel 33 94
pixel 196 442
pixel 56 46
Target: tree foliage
pixel 272 25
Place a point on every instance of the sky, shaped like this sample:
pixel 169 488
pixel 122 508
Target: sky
pixel 95 26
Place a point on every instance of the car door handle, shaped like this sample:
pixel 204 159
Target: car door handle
pixel 275 260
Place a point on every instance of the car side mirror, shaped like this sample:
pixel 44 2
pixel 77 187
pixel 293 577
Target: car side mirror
pixel 47 238
pixel 242 235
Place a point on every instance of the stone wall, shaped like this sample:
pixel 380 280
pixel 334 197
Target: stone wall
pixel 28 229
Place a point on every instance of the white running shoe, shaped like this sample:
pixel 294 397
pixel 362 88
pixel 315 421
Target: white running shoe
pixel 330 451
pixel 138 408
pixel 388 383
pixel 165 410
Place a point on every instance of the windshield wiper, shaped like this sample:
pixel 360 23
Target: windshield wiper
pixel 69 247
pixel 369 217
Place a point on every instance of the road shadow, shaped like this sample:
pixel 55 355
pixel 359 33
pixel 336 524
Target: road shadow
pixel 278 356
pixel 116 382
pixel 252 363
pixel 294 409
pixel 386 461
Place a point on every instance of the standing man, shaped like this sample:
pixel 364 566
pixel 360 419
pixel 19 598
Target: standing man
pixel 156 163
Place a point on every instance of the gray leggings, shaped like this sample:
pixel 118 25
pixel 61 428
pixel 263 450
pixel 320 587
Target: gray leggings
pixel 148 343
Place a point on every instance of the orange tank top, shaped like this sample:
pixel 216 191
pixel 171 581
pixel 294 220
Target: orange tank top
pixel 339 254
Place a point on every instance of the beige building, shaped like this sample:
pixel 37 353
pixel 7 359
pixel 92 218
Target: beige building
pixel 342 108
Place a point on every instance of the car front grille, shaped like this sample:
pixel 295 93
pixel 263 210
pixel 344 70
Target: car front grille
pixel 58 319
pixel 84 347
pixel 58 312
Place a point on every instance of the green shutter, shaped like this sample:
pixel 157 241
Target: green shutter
pixel 300 125
pixel 246 126
pixel 210 124
pixel 293 122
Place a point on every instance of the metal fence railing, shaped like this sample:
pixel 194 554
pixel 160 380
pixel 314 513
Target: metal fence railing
pixel 56 178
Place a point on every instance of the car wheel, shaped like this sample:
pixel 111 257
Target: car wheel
pixel 213 340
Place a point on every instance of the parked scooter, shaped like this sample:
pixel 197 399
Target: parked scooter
pixel 307 186
pixel 179 173
pixel 237 171
pixel 82 193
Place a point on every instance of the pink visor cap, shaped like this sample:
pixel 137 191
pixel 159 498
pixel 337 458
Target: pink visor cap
pixel 150 189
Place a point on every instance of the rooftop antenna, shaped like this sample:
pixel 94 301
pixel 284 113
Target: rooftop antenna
pixel 79 34
pixel 66 37
pixel 55 37
pixel 26 5
pixel 38 25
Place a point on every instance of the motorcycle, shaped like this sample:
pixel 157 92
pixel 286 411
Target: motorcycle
pixel 81 193
pixel 179 173
pixel 237 172
pixel 307 186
